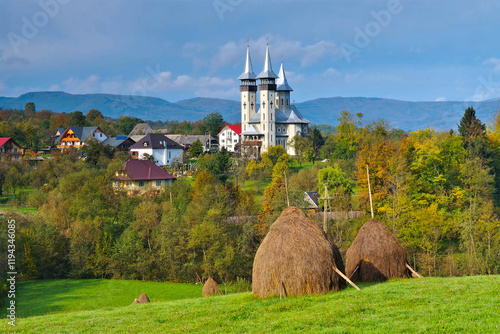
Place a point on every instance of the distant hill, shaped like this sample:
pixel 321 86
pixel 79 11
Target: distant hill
pixel 401 114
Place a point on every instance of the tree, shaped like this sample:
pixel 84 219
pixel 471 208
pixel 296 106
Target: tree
pixel 76 118
pixel 317 142
pixel 94 150
pixel 196 149
pixel 300 145
pixel 213 123
pixel 336 182
pixel 93 116
pixel 125 124
pixel 29 110
pixel 59 121
pixel 470 127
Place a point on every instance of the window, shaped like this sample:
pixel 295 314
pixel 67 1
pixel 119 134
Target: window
pixel 169 155
pixel 235 140
pixel 222 141
pixel 271 123
pixel 264 116
pixel 271 137
pixel 141 183
pixel 158 183
pixel 263 127
pixel 281 101
pixel 16 158
pixel 145 143
pixel 15 150
pixel 271 117
pixel 116 184
pixel 279 130
pixel 223 134
pixel 245 117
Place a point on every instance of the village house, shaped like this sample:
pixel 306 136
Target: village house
pixel 120 143
pixel 10 150
pixel 186 141
pixel 164 151
pixel 77 136
pixel 229 136
pixel 141 175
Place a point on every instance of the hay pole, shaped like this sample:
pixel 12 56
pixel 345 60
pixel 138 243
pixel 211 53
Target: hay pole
pixel 369 189
pixel 346 278
pixel 357 267
pixel 286 188
pixel 413 271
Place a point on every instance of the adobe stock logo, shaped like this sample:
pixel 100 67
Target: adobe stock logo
pixel 363 37
pixel 30 28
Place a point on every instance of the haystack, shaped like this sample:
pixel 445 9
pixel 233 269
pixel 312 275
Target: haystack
pixel 376 255
pixel 296 258
pixel 143 299
pixel 135 302
pixel 211 288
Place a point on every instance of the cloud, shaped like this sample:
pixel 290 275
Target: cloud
pixel 234 52
pixel 331 72
pixel 493 61
pixel 441 99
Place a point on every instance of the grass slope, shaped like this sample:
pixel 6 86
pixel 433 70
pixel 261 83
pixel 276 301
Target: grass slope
pixel 55 296
pixel 434 305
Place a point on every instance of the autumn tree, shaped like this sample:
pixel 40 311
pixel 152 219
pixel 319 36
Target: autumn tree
pixel 76 118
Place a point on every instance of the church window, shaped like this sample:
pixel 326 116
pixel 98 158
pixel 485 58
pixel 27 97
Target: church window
pixel 281 101
pixel 244 105
pixel 286 101
pixel 245 117
pixel 252 105
pixel 264 116
pixel 264 104
pixel 263 127
pixel 271 137
pixel 271 116
pixel 271 124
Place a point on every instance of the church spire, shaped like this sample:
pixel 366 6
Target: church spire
pixel 281 82
pixel 267 72
pixel 248 72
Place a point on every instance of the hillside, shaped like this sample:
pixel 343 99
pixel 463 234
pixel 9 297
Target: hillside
pixel 437 305
pixel 402 114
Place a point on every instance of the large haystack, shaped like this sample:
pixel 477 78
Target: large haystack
pixel 143 299
pixel 296 258
pixel 377 254
pixel 211 288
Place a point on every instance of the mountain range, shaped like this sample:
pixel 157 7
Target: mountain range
pixel 407 115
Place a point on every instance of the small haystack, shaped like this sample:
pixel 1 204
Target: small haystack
pixel 296 258
pixel 135 302
pixel 376 255
pixel 211 288
pixel 143 299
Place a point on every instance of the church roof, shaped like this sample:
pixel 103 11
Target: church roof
pixel 267 72
pixel 290 116
pixel 252 131
pixel 282 83
pixel 248 72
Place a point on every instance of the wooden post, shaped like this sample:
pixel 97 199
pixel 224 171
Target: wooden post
pixel 325 226
pixel 369 189
pixel 346 278
pixel 413 271
pixel 286 188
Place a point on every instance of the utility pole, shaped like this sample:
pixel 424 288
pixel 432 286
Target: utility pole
pixel 369 189
pixel 325 204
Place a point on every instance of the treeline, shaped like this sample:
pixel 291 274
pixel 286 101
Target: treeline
pixel 36 129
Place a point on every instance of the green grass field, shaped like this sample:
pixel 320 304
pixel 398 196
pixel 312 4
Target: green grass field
pixel 429 305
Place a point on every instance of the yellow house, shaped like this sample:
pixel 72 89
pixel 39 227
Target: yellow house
pixel 141 175
pixel 10 150
pixel 77 136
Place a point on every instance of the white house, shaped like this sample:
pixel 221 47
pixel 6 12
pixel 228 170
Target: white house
pixel 229 136
pixel 163 150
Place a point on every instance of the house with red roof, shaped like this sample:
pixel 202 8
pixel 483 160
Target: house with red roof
pixel 141 175
pixel 229 136
pixel 10 150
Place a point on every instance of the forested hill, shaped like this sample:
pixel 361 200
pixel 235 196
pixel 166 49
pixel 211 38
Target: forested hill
pixel 401 114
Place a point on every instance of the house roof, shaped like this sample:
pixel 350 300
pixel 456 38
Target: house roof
pixel 189 139
pixel 81 132
pixel 4 140
pixel 312 197
pixel 143 170
pixel 235 127
pixel 252 131
pixel 290 116
pixel 141 128
pixel 116 141
pixel 154 141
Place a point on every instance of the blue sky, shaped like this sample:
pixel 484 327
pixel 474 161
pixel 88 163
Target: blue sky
pixel 413 50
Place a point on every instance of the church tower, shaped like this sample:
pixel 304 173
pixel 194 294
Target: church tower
pixel 267 90
pixel 283 90
pixel 248 92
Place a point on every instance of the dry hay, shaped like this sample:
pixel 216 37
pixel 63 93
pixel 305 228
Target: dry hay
pixel 296 258
pixel 135 302
pixel 143 299
pixel 378 253
pixel 211 288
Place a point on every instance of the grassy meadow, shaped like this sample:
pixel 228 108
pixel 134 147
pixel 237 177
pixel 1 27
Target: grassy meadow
pixel 432 305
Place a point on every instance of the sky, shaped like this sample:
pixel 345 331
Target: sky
pixel 414 50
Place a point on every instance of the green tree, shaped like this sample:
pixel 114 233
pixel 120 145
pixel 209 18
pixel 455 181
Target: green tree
pixel 29 110
pixel 336 182
pixel 213 123
pixel 93 116
pixel 196 149
pixel 96 153
pixel 470 127
pixel 76 118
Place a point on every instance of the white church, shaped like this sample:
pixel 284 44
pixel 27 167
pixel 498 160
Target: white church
pixel 277 121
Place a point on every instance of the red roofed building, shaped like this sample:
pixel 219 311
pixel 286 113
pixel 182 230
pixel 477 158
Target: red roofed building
pixel 229 136
pixel 10 150
pixel 141 175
